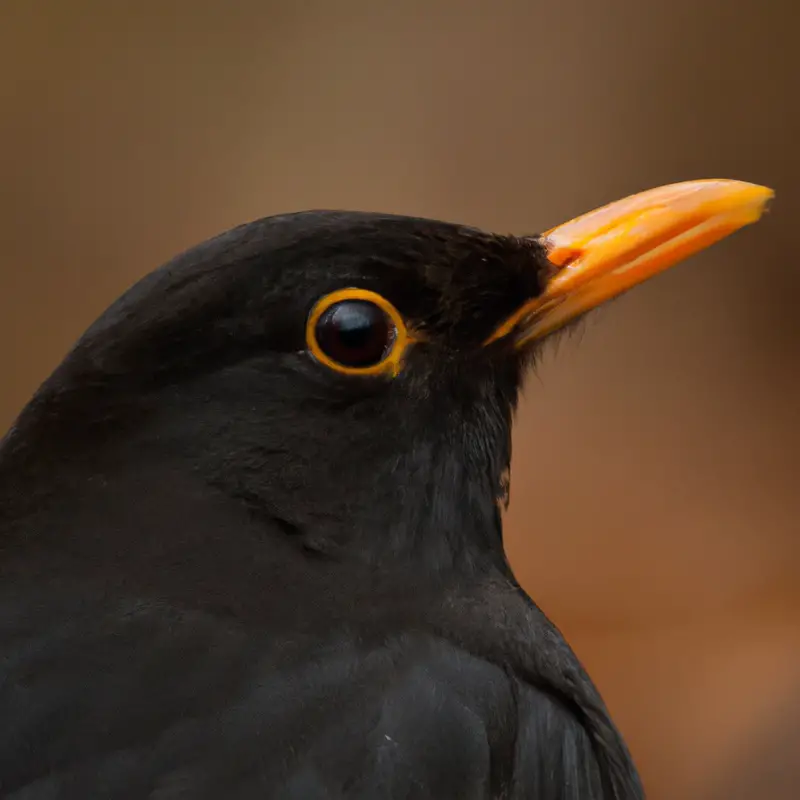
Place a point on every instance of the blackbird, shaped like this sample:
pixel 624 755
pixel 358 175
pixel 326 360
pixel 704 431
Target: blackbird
pixel 251 527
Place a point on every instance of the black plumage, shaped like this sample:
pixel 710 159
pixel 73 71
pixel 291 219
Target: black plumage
pixel 230 571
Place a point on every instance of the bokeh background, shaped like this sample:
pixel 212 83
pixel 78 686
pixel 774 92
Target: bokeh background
pixel 656 486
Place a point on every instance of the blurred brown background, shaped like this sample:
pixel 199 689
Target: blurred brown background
pixel 655 500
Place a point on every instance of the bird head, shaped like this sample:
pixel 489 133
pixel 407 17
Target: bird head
pixel 348 379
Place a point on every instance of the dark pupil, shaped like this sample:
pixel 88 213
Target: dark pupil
pixel 355 333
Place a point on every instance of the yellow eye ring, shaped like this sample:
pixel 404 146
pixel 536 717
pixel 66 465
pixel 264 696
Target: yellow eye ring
pixel 389 330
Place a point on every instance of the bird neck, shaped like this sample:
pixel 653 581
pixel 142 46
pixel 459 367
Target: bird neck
pixel 203 489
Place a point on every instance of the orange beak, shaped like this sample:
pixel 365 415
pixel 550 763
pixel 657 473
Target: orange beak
pixel 604 253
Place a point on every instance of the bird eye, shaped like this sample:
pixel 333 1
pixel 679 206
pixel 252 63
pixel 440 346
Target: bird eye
pixel 356 332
